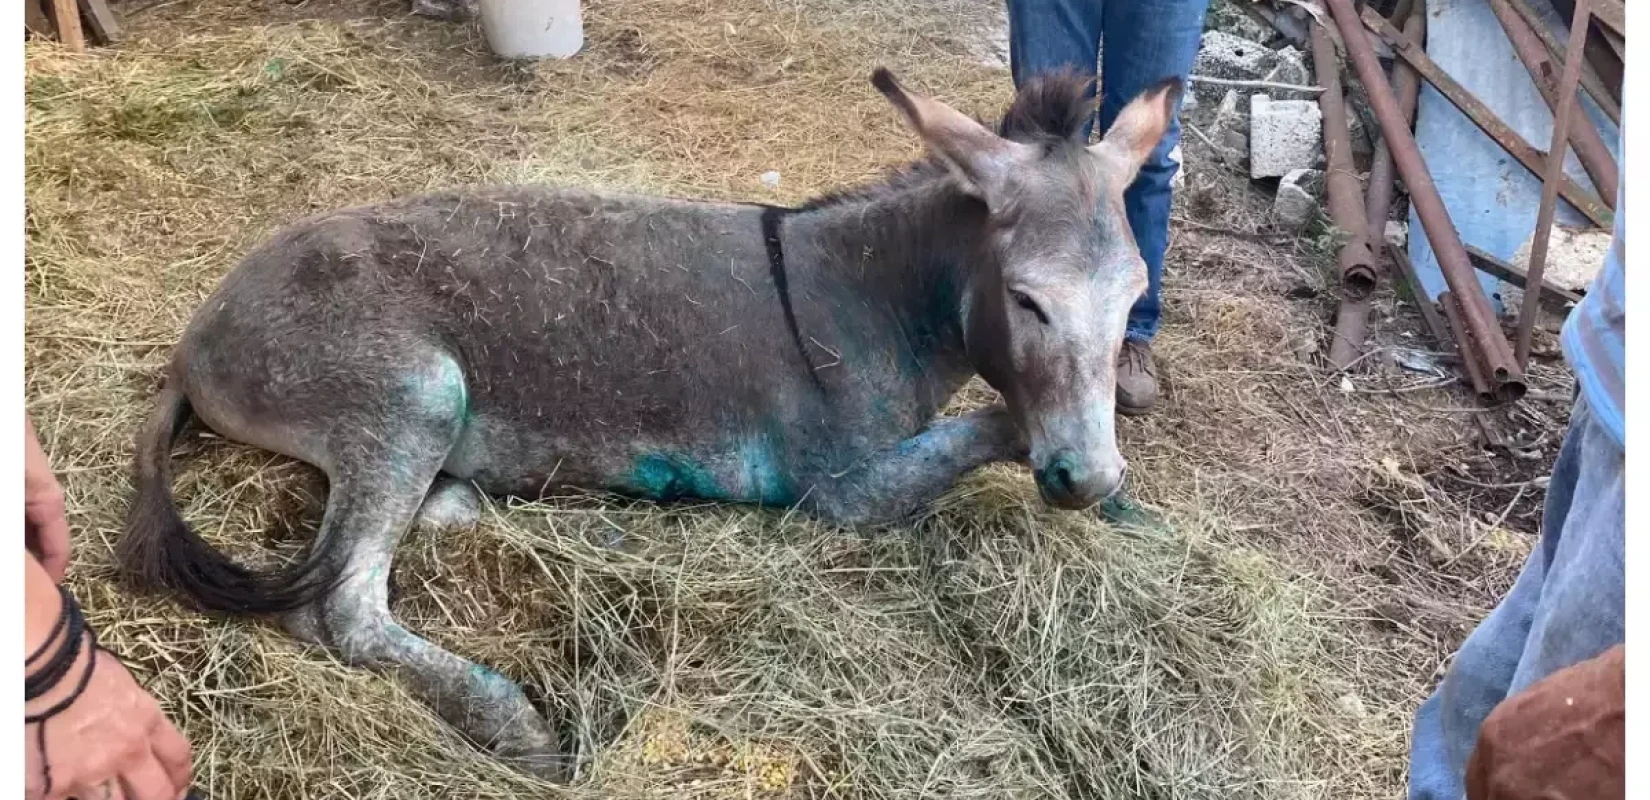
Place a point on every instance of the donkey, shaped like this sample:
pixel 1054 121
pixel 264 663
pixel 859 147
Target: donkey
pixel 517 340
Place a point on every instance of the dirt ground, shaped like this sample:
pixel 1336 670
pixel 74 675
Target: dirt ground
pixel 1321 543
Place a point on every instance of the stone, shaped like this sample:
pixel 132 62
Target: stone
pixel 1396 234
pixel 1177 155
pixel 1233 113
pixel 1229 57
pixel 1227 16
pixel 1284 135
pixel 1300 196
pixel 1231 127
pixel 1291 68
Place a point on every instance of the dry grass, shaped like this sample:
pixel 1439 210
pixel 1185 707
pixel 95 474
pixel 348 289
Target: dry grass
pixel 1269 640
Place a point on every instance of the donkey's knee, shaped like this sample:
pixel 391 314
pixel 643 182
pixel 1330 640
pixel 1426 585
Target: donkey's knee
pixel 451 505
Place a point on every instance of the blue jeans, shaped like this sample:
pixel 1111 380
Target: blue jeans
pixel 1566 607
pixel 1145 42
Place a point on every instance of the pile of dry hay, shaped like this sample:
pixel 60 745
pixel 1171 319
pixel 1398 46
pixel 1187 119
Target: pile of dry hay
pixel 995 648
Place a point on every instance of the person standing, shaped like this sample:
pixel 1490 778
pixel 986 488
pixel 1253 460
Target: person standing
pixel 1140 44
pixel 1568 604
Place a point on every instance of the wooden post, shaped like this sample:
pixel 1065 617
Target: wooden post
pixel 67 14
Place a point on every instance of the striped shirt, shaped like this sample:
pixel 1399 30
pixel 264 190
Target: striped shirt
pixel 1595 335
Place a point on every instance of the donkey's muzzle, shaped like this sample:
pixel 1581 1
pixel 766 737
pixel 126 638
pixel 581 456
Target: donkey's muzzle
pixel 1070 481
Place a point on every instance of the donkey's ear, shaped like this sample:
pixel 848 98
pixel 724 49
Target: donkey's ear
pixel 1141 125
pixel 981 158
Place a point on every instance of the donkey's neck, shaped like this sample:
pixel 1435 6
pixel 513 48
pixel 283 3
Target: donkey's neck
pixel 908 249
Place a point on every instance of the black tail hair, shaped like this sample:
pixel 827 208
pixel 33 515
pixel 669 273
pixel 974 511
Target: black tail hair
pixel 160 550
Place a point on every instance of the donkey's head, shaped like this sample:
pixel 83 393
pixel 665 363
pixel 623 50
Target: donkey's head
pixel 1057 269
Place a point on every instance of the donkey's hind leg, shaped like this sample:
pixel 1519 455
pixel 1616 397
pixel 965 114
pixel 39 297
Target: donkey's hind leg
pixel 451 505
pixel 371 509
pixel 918 470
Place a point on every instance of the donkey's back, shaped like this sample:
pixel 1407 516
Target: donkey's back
pixel 625 343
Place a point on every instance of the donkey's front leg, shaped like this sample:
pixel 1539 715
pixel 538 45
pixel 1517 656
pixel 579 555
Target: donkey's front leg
pixel 914 472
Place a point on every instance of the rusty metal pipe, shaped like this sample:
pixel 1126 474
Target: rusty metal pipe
pixel 1493 126
pixel 1357 257
pixel 1562 119
pixel 1475 370
pixel 1477 315
pixel 1589 76
pixel 1356 260
pixel 1590 149
pixel 1406 83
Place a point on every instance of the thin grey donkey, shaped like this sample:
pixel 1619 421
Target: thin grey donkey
pixel 519 340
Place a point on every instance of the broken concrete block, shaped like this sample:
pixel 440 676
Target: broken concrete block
pixel 1232 113
pixel 1223 55
pixel 1229 17
pixel 1574 258
pixel 1396 234
pixel 1291 68
pixel 1300 196
pixel 1284 135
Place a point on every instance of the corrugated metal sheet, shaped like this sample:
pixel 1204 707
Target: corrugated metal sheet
pixel 1491 197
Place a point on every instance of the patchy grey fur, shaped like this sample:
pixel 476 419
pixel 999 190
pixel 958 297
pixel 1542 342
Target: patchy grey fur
pixel 524 339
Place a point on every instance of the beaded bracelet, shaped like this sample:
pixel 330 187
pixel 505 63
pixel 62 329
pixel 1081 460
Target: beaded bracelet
pixel 42 681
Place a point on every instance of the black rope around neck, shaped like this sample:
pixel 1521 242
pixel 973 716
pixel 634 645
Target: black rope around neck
pixel 77 636
pixel 771 216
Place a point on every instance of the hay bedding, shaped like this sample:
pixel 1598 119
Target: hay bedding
pixel 1269 643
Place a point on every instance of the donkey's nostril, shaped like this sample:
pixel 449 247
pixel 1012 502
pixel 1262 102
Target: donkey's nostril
pixel 1064 478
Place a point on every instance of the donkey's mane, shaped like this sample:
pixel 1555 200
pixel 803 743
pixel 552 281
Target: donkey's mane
pixel 1049 110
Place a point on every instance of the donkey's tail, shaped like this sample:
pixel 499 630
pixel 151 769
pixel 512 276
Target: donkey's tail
pixel 160 550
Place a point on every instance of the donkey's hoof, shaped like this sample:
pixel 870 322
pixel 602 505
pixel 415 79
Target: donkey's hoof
pixel 531 745
pixel 451 505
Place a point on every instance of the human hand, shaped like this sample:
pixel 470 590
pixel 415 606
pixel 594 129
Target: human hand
pixel 112 742
pixel 1562 738
pixel 45 526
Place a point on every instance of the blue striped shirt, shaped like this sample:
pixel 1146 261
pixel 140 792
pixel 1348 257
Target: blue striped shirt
pixel 1595 335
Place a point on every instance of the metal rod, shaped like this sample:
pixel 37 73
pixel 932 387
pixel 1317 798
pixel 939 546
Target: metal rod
pixel 1559 295
pixel 1474 369
pixel 1549 187
pixel 1534 160
pixel 1589 76
pixel 1429 206
pixel 1590 149
pixel 1429 310
pixel 1612 13
pixel 1440 333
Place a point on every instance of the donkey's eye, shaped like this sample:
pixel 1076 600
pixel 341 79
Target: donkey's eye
pixel 1024 301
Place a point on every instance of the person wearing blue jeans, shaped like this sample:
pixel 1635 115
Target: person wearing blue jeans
pixel 1144 42
pixel 1567 605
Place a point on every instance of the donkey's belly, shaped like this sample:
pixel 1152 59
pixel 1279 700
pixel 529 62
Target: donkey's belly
pixel 507 457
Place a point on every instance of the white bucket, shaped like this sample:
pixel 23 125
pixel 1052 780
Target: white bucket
pixel 533 28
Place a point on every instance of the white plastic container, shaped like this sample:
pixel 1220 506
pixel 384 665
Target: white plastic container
pixel 533 28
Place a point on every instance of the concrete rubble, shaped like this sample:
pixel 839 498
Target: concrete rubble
pixel 1300 196
pixel 1256 125
pixel 1284 135
pixel 1574 258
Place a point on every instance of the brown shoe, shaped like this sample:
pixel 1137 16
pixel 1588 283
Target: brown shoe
pixel 1136 379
